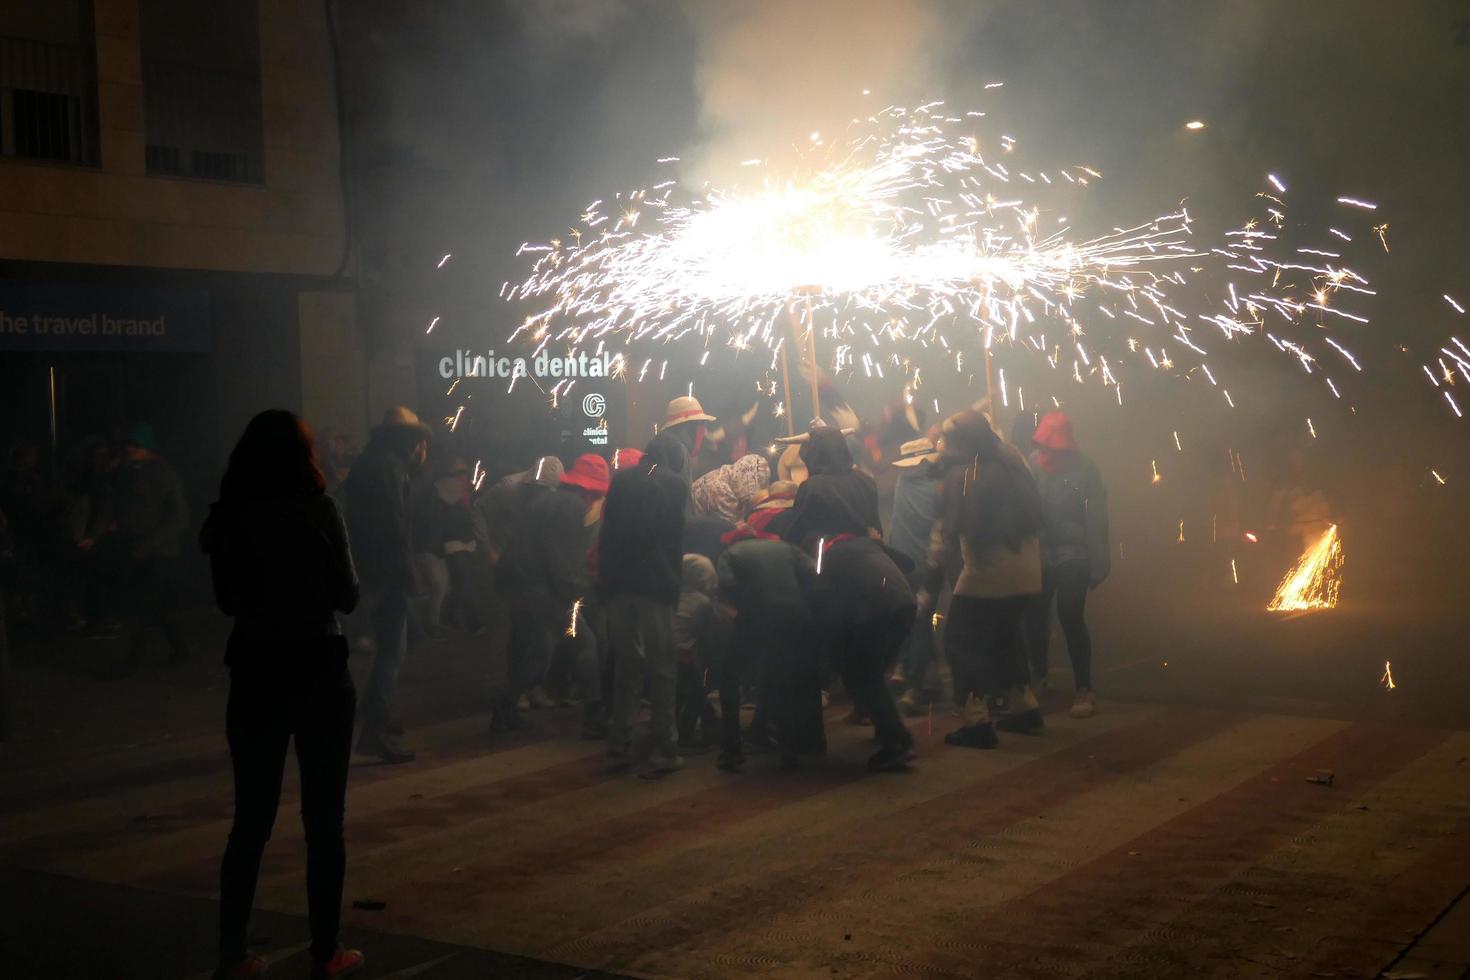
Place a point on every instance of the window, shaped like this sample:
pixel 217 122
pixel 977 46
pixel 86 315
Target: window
pixel 48 81
pixel 201 89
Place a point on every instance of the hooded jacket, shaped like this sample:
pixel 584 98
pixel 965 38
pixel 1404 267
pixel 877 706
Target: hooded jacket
pixel 282 568
pixel 837 497
pixel 729 491
pixel 1074 502
pixel 640 549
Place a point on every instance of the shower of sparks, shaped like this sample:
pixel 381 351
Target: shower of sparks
pixel 917 232
pixel 1435 474
pixel 444 260
pixel 572 624
pixel 1234 575
pixel 1313 583
pixel 1155 464
pixel 1387 679
pixel 1176 442
pixel 1451 300
pixel 432 324
pixel 821 548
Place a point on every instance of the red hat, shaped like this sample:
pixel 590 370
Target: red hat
pixel 589 472
pixel 1054 431
pixel 627 459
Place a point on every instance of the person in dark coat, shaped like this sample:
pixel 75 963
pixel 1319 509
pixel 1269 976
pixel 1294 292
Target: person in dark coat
pixel 1074 551
pixel 151 519
pixel 535 620
pixel 282 568
pixel 836 498
pixel 767 586
pixel 639 569
pixel 377 495
pixel 865 612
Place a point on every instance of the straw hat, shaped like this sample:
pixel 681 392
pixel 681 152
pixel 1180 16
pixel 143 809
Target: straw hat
pixel 401 417
pixel 685 408
pixel 916 451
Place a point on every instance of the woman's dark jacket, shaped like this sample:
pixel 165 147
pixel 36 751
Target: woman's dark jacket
pixel 282 568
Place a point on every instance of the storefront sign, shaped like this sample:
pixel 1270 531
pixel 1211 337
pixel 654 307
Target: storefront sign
pixel 86 317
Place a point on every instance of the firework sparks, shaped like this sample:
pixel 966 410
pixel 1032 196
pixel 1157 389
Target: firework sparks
pixel 1387 679
pixel 1313 583
pixel 572 623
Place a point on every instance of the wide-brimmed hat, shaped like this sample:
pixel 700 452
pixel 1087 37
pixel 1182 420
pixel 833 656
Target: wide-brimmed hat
pixel 685 408
pixel 589 472
pixel 401 417
pixel 916 451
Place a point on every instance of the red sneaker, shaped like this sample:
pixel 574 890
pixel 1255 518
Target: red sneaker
pixel 344 962
pixel 246 969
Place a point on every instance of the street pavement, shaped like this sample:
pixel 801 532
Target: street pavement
pixel 1199 825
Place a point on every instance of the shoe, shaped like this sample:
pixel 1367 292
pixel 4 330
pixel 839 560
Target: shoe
pixel 891 757
pixel 730 761
pixel 1022 723
pixel 1084 705
pixel 345 961
pixel 856 717
pixel 665 762
pixel 384 748
pixel 523 703
pixel 980 736
pixel 539 699
pixel 251 966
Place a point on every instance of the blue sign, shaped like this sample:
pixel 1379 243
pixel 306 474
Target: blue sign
pixel 86 317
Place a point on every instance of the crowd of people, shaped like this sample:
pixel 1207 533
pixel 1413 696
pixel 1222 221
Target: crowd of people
pixel 897 574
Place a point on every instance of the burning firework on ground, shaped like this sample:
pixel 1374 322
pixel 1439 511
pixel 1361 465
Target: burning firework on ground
pixel 1314 582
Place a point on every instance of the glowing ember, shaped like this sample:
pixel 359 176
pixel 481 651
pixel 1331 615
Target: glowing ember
pixel 1387 679
pixel 1313 583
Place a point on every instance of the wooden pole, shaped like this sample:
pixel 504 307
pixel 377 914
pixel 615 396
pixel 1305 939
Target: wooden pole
pixel 786 383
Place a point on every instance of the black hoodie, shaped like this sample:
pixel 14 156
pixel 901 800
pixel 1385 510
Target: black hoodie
pixel 837 497
pixel 641 548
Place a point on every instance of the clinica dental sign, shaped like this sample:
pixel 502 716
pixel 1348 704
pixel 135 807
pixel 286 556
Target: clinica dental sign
pixel 468 364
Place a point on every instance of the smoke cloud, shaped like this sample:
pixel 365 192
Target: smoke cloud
pixel 771 72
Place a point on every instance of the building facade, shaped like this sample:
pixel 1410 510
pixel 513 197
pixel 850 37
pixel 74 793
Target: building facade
pixel 174 236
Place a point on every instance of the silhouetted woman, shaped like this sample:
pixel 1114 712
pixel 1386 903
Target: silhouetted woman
pixel 283 569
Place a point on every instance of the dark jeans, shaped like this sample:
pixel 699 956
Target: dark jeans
pixel 268 706
pixel 869 652
pixel 919 651
pixel 982 639
pixel 640 633
pixel 151 587
pixel 1067 585
pixel 389 612
pixel 779 657
pixel 534 629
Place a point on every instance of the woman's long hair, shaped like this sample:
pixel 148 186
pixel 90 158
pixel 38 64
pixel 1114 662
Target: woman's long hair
pixel 275 459
pixel 991 498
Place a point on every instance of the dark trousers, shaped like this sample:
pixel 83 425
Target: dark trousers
pixel 1066 585
pixel 389 612
pixel 267 708
pixel 778 656
pixel 919 651
pixel 150 584
pixel 982 639
pixel 870 649
pixel 534 629
pixel 692 708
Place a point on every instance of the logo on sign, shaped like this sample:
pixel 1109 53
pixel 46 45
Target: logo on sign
pixel 594 405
